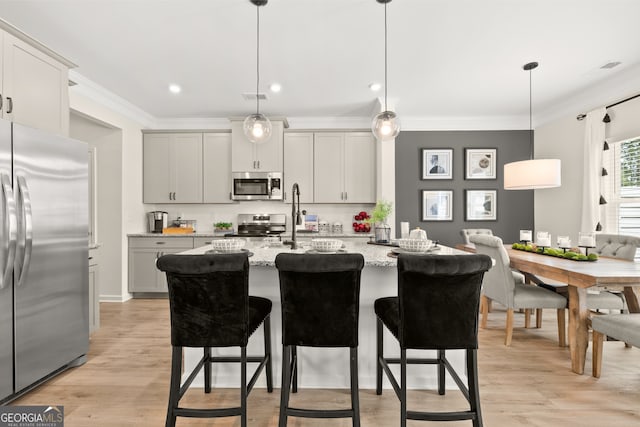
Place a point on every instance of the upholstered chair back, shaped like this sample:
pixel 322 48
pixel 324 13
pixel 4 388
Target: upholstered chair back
pixel 320 297
pixel 438 299
pixel 208 299
pixel 466 232
pixel 498 283
pixel 617 245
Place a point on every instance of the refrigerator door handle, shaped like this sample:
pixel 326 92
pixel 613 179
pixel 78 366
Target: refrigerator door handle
pixel 10 227
pixel 22 267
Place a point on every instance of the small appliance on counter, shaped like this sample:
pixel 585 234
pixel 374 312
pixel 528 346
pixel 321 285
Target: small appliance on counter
pixel 157 221
pixel 181 226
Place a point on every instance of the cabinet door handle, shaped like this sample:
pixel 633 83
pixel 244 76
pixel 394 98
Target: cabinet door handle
pixel 1 101
pixel 230 196
pixel 160 243
pixel 345 196
pixel 258 164
pixel 9 105
pixel 284 196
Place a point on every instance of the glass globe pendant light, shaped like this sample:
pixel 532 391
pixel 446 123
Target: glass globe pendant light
pixel 385 125
pixel 257 127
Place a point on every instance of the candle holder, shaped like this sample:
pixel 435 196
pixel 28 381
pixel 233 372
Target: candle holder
pixel 586 249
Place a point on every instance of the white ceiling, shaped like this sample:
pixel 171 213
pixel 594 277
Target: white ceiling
pixel 447 58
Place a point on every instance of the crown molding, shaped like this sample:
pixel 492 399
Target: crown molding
pixel 108 99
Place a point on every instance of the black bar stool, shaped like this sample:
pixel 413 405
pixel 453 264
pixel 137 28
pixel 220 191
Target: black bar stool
pixel 436 309
pixel 320 297
pixel 211 307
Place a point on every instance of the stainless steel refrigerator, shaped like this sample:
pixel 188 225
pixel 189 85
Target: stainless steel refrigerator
pixel 44 307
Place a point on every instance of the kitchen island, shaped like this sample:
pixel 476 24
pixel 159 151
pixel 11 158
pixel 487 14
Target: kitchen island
pixel 325 367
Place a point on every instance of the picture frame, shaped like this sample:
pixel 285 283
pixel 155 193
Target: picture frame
pixel 481 205
pixel 480 163
pixel 437 205
pixel 437 163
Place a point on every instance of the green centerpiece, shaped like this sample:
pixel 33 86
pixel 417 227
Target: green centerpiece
pixel 378 218
pixel 571 254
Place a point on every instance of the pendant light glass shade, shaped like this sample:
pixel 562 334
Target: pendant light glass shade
pixel 385 126
pixel 257 127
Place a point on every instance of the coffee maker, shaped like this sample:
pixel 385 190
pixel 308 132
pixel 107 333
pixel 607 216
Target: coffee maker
pixel 157 221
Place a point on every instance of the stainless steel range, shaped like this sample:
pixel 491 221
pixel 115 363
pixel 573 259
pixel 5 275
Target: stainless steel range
pixel 261 225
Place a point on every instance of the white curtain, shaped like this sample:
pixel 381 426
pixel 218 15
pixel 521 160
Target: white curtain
pixel 594 137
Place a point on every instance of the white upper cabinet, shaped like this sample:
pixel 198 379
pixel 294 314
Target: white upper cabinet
pixel 172 168
pixel 216 157
pixel 360 167
pixel 34 85
pixel 249 157
pixel 344 167
pixel 298 165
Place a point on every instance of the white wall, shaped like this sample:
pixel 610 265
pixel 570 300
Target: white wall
pixel 131 211
pixel 558 210
pixel 108 144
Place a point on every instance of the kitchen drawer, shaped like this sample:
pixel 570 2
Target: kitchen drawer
pixel 202 241
pixel 161 242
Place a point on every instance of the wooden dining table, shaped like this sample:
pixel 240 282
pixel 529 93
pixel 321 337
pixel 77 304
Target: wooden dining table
pixel 580 276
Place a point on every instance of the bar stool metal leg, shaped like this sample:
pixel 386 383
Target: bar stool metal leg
pixel 174 385
pixel 285 384
pixel 207 370
pixel 267 352
pixel 355 400
pixel 294 370
pixel 403 388
pixel 379 356
pixel 243 386
pixel 474 391
pixel 441 373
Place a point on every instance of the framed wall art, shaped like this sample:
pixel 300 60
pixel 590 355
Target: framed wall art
pixel 437 163
pixel 480 205
pixel 480 163
pixel 437 205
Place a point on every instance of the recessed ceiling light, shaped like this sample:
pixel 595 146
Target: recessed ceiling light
pixel 375 86
pixel 275 87
pixel 173 88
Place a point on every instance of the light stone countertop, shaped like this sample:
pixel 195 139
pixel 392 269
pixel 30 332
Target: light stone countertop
pixel 300 236
pixel 374 255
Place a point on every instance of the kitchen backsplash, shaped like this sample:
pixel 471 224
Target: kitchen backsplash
pixel 207 215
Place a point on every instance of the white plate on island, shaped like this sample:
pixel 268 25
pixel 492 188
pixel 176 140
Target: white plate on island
pixel 217 252
pixel 405 251
pixel 317 252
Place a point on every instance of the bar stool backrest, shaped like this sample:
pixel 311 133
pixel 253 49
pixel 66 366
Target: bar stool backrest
pixel 439 296
pixel 208 299
pixel 320 296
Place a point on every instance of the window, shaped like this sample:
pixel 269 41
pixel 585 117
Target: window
pixel 621 188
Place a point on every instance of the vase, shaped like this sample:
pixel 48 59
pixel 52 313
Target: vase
pixel 382 233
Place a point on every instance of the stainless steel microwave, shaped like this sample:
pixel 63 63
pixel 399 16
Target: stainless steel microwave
pixel 256 186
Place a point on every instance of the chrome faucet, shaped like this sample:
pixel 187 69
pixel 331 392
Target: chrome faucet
pixel 296 219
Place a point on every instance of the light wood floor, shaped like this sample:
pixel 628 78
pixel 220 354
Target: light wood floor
pixel 125 381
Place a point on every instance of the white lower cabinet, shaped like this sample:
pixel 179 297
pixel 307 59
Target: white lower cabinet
pixel 144 277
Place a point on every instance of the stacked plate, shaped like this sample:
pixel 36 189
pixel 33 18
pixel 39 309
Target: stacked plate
pixel 326 245
pixel 415 245
pixel 227 245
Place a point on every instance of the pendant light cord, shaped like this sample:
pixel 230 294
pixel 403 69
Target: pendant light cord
pixel 257 59
pixel 530 119
pixel 385 57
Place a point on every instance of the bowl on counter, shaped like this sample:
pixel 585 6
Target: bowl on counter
pixel 326 245
pixel 415 245
pixel 227 245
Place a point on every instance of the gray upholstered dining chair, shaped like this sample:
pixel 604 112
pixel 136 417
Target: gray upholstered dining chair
pixel 613 246
pixel 499 285
pixel 623 327
pixel 466 232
